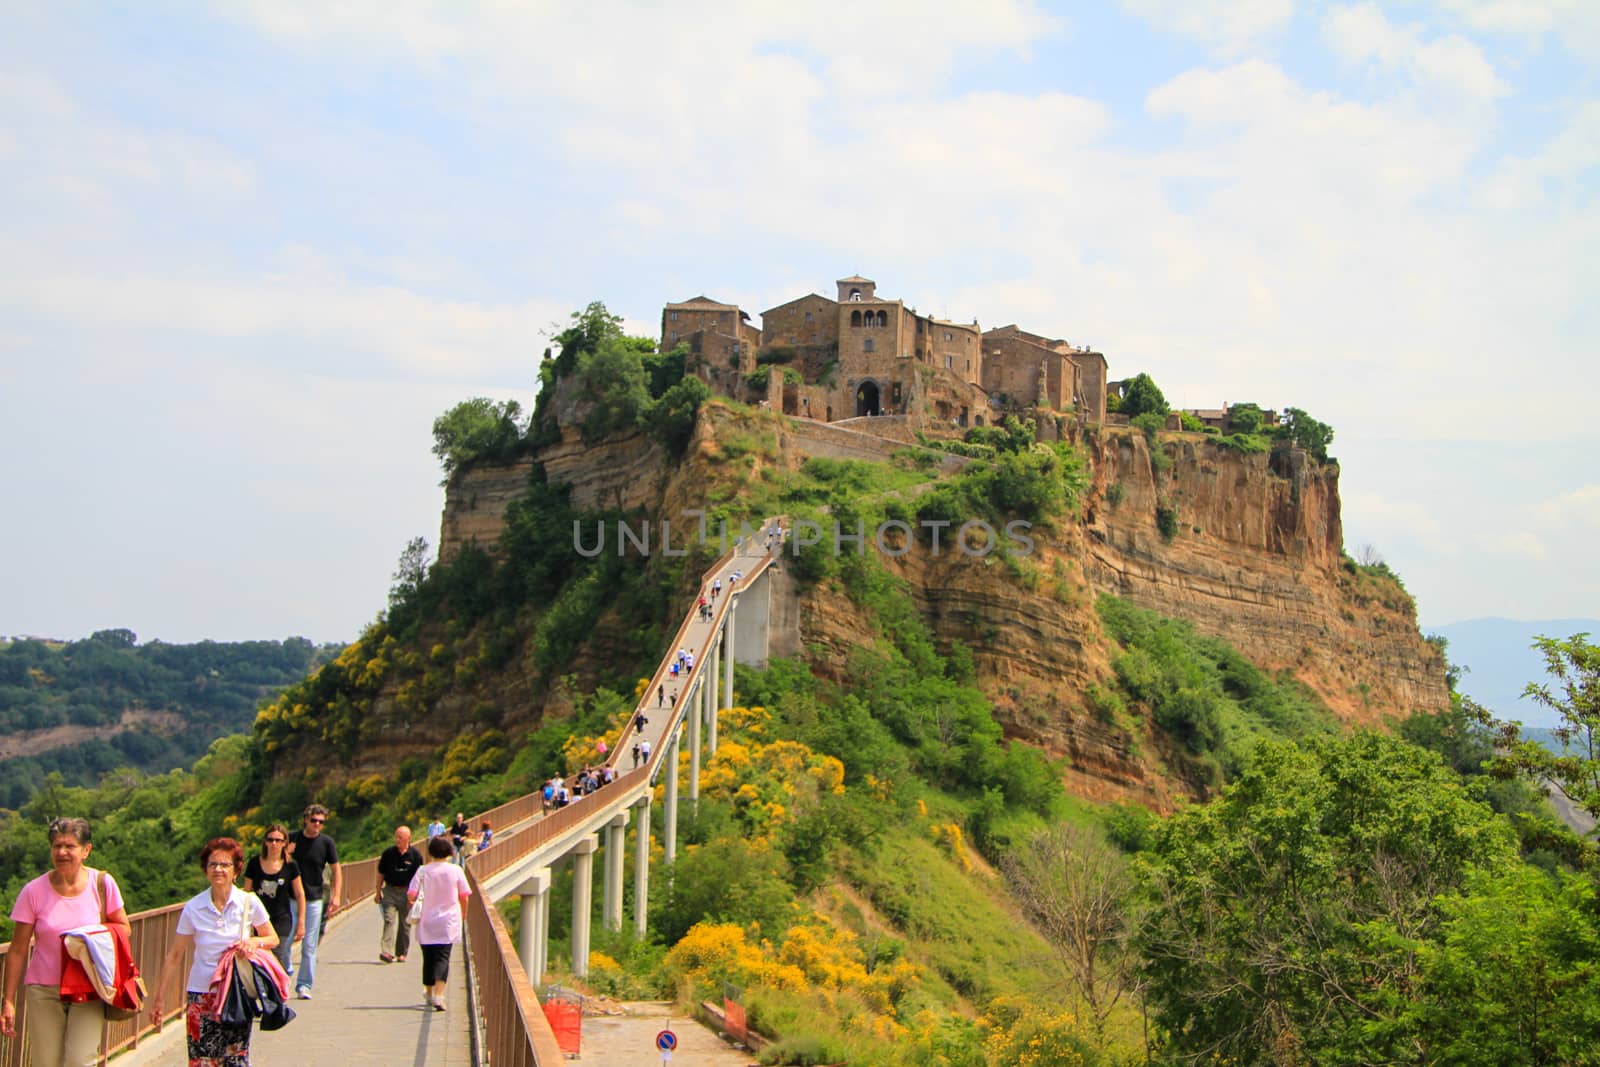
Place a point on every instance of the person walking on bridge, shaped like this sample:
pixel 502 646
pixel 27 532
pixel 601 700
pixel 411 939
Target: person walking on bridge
pixel 67 896
pixel 444 892
pixel 318 858
pixel 275 878
pixel 395 867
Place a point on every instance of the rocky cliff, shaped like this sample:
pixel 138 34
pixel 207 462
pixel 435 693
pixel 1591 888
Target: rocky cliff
pixel 1247 547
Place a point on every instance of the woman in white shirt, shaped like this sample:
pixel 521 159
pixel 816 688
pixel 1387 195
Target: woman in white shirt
pixel 214 921
pixel 444 891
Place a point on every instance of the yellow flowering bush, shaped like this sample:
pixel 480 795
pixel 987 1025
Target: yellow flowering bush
pixel 1020 1033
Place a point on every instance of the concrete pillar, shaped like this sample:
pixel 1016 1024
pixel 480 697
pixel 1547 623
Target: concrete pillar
pixel 535 940
pixel 716 692
pixel 754 622
pixel 582 901
pixel 641 865
pixel 611 905
pixel 694 714
pixel 727 668
pixel 669 814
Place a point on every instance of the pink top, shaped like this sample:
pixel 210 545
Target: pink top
pixel 441 886
pixel 52 915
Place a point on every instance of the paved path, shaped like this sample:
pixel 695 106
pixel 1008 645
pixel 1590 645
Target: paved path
pixel 629 1040
pixel 364 1011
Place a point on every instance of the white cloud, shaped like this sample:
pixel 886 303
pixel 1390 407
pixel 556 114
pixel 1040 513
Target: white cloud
pixel 1574 24
pixel 1382 517
pixel 1229 26
pixel 1363 34
pixel 1578 508
pixel 1522 544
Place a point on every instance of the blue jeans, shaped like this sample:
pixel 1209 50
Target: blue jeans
pixel 308 946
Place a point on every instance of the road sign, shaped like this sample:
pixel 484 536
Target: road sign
pixel 666 1041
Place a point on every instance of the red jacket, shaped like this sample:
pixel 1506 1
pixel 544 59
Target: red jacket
pixel 119 988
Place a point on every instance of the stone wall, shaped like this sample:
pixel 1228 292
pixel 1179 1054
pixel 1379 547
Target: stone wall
pixel 810 320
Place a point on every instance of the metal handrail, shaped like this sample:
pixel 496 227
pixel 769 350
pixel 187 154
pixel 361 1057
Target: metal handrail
pixel 512 1035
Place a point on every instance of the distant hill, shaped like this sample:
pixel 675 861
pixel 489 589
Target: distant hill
pixel 105 702
pixel 1501 661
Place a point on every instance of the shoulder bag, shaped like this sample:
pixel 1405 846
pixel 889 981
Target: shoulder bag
pixel 130 992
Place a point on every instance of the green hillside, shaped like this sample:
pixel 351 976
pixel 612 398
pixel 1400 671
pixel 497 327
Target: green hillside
pixel 182 697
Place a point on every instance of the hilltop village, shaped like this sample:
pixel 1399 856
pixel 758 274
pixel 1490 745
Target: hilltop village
pixel 865 355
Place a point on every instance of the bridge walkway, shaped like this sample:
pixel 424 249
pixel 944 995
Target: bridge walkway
pixel 363 1011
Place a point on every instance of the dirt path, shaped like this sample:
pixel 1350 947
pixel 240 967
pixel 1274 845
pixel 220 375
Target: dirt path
pixel 628 1040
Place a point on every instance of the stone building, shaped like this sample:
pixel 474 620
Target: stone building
pixel 862 355
pixel 722 343
pixel 1026 370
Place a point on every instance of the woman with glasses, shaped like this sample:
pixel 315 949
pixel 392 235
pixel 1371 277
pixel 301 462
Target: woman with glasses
pixel 218 918
pixel 275 878
pixel 68 896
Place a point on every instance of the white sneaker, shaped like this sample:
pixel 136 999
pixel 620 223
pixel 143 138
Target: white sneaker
pixel 303 993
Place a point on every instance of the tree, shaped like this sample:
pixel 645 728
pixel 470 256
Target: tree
pixel 1574 664
pixel 1306 433
pixel 476 428
pixel 1142 395
pixel 1512 977
pixel 410 572
pixel 1077 890
pixel 1286 917
pixel 1245 418
pixel 614 379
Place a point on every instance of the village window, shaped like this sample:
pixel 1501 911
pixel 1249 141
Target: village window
pixel 949 362
pixel 855 295
pixel 948 336
pixel 883 318
pixel 866 346
pixel 969 366
pixel 808 316
pixel 674 335
pixel 673 316
pixel 855 318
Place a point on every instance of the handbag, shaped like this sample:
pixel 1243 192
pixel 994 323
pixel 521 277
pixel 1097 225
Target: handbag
pixel 252 993
pixel 414 916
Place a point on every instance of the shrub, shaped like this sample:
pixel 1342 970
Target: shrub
pixel 1167 521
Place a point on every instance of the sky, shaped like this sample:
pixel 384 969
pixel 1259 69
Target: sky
pixel 249 251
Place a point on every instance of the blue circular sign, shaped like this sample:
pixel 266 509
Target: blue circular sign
pixel 666 1041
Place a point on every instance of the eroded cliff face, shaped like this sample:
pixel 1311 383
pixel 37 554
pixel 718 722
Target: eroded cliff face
pixel 1254 557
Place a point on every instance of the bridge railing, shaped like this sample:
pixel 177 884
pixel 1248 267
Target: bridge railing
pixel 513 1029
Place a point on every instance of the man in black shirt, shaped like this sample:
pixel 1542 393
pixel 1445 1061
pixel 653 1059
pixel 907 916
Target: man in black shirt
pixel 315 852
pixel 395 868
pixel 458 834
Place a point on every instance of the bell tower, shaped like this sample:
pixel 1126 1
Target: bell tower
pixel 855 289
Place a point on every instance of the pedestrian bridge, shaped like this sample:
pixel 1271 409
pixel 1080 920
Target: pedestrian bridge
pixel 502 1022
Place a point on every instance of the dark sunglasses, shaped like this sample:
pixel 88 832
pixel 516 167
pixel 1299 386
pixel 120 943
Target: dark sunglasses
pixel 279 840
pixel 316 820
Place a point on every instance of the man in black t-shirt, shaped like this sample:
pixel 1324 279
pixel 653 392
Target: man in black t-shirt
pixel 458 834
pixel 395 868
pixel 316 854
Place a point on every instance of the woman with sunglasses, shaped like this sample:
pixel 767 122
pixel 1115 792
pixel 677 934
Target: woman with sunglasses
pixel 219 917
pixel 275 878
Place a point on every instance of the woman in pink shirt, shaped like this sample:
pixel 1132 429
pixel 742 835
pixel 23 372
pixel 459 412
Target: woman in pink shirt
pixel 70 896
pixel 444 891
